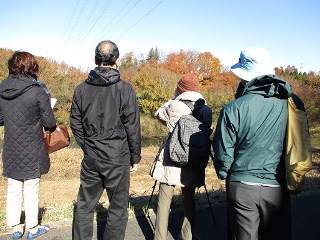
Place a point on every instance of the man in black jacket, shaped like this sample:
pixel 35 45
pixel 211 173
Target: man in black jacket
pixel 105 122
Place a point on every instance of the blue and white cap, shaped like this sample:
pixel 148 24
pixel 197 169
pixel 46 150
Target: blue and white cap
pixel 253 62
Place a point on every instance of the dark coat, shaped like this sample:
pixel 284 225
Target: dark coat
pixel 24 109
pixel 250 134
pixel 105 118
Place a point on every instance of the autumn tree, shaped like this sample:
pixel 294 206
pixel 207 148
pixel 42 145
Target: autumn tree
pixel 5 55
pixel 204 65
pixel 313 80
pixel 279 71
pixel 61 80
pixel 227 77
pixel 178 62
pixel 129 65
pixel 207 67
pixel 154 87
pixel 291 70
pixel 129 60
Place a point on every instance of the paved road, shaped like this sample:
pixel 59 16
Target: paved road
pixel 305 223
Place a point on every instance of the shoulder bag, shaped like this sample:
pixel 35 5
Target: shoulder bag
pixel 57 139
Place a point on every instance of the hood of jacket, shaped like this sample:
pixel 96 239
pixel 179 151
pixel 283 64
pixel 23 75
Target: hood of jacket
pixel 103 76
pixel 268 86
pixel 189 96
pixel 14 86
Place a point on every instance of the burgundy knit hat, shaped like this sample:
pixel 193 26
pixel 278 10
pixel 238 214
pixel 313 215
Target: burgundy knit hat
pixel 188 82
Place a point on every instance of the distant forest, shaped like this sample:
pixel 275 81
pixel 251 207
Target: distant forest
pixel 154 78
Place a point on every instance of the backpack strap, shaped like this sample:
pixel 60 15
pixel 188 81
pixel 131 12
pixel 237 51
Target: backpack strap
pixel 188 103
pixel 198 104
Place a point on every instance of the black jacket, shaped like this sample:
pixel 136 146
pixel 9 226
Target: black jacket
pixel 24 109
pixel 105 118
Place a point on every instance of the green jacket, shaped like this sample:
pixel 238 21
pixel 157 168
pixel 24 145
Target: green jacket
pixel 250 134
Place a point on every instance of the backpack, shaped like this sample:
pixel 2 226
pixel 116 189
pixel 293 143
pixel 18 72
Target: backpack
pixel 189 142
pixel 298 157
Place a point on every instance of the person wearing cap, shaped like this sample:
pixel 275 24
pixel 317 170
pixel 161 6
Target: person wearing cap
pixel 248 148
pixel 105 122
pixel 169 174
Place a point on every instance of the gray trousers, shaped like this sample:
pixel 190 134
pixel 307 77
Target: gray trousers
pixel 258 212
pixel 163 210
pixel 95 176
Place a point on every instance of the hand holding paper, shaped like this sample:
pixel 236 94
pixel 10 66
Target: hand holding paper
pixel 53 102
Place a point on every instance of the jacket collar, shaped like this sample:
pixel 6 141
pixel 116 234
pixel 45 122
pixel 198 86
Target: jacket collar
pixel 103 76
pixel 268 86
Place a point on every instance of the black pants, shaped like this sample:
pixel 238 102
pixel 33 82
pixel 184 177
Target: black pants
pixel 96 176
pixel 258 212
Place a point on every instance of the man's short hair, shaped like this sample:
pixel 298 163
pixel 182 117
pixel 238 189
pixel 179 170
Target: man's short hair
pixel 106 53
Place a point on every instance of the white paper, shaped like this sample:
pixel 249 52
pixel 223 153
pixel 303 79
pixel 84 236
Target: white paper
pixel 53 102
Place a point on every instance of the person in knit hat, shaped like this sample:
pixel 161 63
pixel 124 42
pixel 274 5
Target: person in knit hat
pixel 169 174
pixel 188 82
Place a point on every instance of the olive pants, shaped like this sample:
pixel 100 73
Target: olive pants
pixel 163 210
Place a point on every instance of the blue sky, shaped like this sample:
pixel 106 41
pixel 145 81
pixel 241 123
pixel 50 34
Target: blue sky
pixel 69 30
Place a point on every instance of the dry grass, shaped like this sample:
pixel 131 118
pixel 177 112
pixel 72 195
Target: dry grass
pixel 58 188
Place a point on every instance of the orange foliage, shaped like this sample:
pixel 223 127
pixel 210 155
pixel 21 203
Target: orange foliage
pixel 177 62
pixel 310 97
pixel 5 55
pixel 278 71
pixel 204 65
pixel 227 77
pixel 128 74
pixel 208 67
